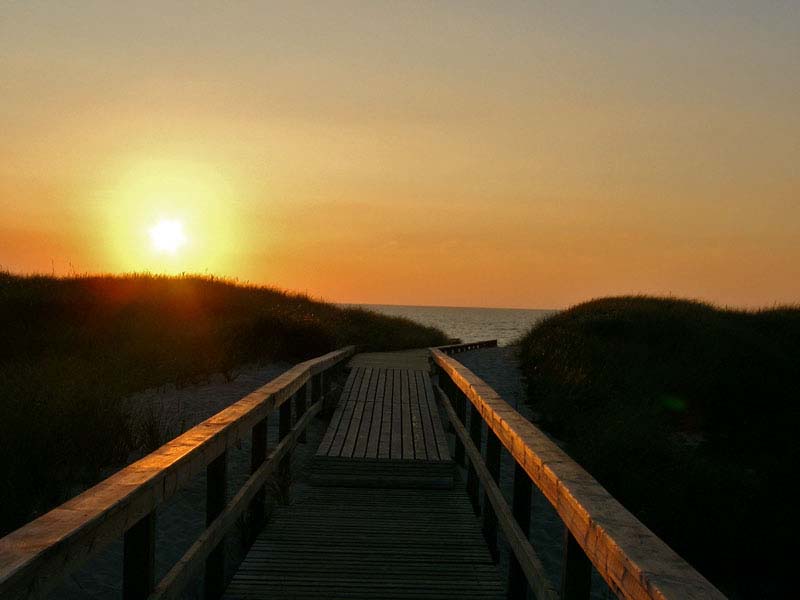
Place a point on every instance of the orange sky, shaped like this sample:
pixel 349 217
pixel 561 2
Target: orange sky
pixel 410 153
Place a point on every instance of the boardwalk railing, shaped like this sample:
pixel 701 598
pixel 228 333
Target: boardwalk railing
pixel 456 348
pixel 599 531
pixel 36 557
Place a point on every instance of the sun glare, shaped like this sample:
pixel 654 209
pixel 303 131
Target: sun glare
pixel 170 216
pixel 167 236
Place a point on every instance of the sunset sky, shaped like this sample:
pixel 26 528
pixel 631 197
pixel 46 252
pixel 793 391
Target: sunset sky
pixel 516 154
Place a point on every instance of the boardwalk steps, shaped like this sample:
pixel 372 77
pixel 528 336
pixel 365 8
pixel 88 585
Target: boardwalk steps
pixel 381 518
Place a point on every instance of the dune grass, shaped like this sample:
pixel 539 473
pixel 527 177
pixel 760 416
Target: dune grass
pixel 688 414
pixel 74 348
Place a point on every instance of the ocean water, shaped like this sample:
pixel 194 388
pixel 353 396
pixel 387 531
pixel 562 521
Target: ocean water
pixel 470 324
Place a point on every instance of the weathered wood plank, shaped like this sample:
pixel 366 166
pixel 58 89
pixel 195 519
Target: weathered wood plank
pixel 367 424
pixel 406 433
pixel 431 450
pixel 336 419
pixel 438 430
pixel 138 559
pixel 371 450
pixel 397 416
pixel 465 347
pixel 358 413
pixel 385 445
pixel 420 451
pixel 392 416
pixel 347 408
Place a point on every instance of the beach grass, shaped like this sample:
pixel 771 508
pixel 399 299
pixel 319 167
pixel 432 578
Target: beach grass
pixel 73 349
pixel 688 414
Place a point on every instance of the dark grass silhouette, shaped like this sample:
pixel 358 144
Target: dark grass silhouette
pixel 72 349
pixel 688 414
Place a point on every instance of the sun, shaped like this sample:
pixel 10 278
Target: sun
pixel 167 236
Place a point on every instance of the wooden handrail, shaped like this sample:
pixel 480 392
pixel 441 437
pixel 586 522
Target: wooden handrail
pixel 528 559
pixel 34 558
pixel 635 563
pixel 174 582
pixel 465 347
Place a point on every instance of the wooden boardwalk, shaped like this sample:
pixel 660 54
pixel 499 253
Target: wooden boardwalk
pixel 413 360
pixel 381 518
pixel 386 431
pixel 370 543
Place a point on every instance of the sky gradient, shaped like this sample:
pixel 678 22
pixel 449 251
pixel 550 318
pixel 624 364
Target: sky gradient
pixel 469 154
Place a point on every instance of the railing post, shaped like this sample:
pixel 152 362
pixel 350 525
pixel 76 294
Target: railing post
pixel 316 388
pixel 576 570
pixel 460 405
pixel 284 427
pixel 521 507
pixel 444 383
pixel 300 408
pixel 475 422
pixel 258 454
pixel 326 377
pixel 138 558
pixel 489 516
pixel 216 488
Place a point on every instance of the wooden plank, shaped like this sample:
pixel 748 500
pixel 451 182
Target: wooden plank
pixel 432 452
pixel 347 416
pixel 216 492
pixel 420 452
pixel 634 562
pixel 366 420
pixel 390 416
pixel 385 445
pixel 351 436
pixel 336 419
pixel 576 570
pixel 438 430
pixel 406 432
pixel 397 416
pixel 465 347
pixel 521 509
pixel 139 559
pixel 371 450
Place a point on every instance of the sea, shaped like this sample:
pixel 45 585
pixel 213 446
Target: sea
pixel 506 325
